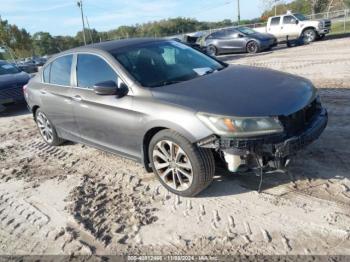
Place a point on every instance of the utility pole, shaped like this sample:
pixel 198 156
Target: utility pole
pixel 238 12
pixel 80 5
pixel 276 7
pixel 87 21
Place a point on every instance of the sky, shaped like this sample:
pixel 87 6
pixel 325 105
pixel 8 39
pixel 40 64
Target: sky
pixel 62 17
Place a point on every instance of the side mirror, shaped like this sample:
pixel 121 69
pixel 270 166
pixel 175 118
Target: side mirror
pixel 296 22
pixel 110 88
pixel 122 90
pixel 235 35
pixel 106 88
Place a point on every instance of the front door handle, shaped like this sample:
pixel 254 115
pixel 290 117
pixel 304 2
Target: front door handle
pixel 43 92
pixel 77 98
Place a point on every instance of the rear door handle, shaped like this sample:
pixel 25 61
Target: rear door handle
pixel 43 92
pixel 77 98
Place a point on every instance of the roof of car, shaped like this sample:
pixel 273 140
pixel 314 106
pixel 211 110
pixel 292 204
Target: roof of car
pixel 116 44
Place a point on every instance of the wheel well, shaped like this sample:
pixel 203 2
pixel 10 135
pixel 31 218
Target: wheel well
pixel 146 140
pixel 310 27
pixel 34 109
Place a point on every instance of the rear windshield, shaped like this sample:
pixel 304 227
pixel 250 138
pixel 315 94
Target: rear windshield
pixel 6 69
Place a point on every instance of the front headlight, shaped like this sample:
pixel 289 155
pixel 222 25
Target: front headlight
pixel 241 126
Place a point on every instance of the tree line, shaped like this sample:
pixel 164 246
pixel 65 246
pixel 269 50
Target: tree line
pixel 302 6
pixel 23 44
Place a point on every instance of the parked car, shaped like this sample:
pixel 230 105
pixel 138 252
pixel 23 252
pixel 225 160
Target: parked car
pixel 174 109
pixel 237 40
pixel 39 61
pixel 296 26
pixel 28 66
pixel 12 81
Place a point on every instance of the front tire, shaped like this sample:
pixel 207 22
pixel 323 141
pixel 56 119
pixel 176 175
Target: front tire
pixel 47 129
pixel 252 47
pixel 212 50
pixel 181 167
pixel 309 35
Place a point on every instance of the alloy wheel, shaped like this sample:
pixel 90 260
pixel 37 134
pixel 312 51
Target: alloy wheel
pixel 212 51
pixel 172 165
pixel 252 47
pixel 45 127
pixel 309 36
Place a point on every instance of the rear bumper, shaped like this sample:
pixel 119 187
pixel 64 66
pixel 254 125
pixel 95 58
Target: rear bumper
pixel 10 95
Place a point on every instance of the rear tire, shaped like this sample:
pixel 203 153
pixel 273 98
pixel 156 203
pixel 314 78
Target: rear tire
pixel 309 36
pixel 47 129
pixel 185 172
pixel 252 47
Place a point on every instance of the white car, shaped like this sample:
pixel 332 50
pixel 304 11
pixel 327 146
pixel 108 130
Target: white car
pixel 296 26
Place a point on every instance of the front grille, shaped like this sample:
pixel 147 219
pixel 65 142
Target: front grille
pixel 15 92
pixel 295 123
pixel 327 24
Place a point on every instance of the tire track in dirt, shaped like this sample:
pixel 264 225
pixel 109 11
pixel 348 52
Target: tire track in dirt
pixel 112 209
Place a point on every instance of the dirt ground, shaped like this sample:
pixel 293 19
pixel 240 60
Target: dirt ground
pixel 75 199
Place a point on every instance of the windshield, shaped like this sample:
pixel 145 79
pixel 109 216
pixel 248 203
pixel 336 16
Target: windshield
pixel 164 63
pixel 8 69
pixel 301 17
pixel 246 30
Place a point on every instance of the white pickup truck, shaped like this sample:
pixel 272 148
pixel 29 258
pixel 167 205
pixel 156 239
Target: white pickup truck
pixel 296 26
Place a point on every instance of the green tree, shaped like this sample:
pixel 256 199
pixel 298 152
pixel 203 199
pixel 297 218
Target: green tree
pixel 44 44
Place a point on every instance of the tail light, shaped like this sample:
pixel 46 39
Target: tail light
pixel 25 91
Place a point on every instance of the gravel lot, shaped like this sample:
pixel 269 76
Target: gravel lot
pixel 75 199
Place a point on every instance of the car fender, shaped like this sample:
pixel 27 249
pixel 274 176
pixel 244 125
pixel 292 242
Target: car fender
pixel 193 132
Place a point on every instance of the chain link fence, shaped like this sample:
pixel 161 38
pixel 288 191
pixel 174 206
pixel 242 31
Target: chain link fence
pixel 340 20
pixel 340 24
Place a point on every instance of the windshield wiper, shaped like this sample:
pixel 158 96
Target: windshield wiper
pixel 170 82
pixel 209 72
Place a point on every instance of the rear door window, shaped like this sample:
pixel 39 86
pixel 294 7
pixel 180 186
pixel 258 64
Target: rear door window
pixel 61 71
pixel 92 70
pixel 275 21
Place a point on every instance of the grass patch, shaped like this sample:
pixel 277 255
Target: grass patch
pixel 338 27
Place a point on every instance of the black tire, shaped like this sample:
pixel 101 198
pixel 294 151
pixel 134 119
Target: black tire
pixel 252 47
pixel 212 50
pixel 201 160
pixel 309 36
pixel 321 37
pixel 56 140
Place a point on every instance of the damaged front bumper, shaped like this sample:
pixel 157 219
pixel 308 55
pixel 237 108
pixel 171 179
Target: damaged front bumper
pixel 272 150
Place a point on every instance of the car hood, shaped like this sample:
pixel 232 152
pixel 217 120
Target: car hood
pixel 262 36
pixel 241 91
pixel 11 79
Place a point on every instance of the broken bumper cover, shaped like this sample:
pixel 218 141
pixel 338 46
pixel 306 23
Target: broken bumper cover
pixel 313 132
pixel 278 145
